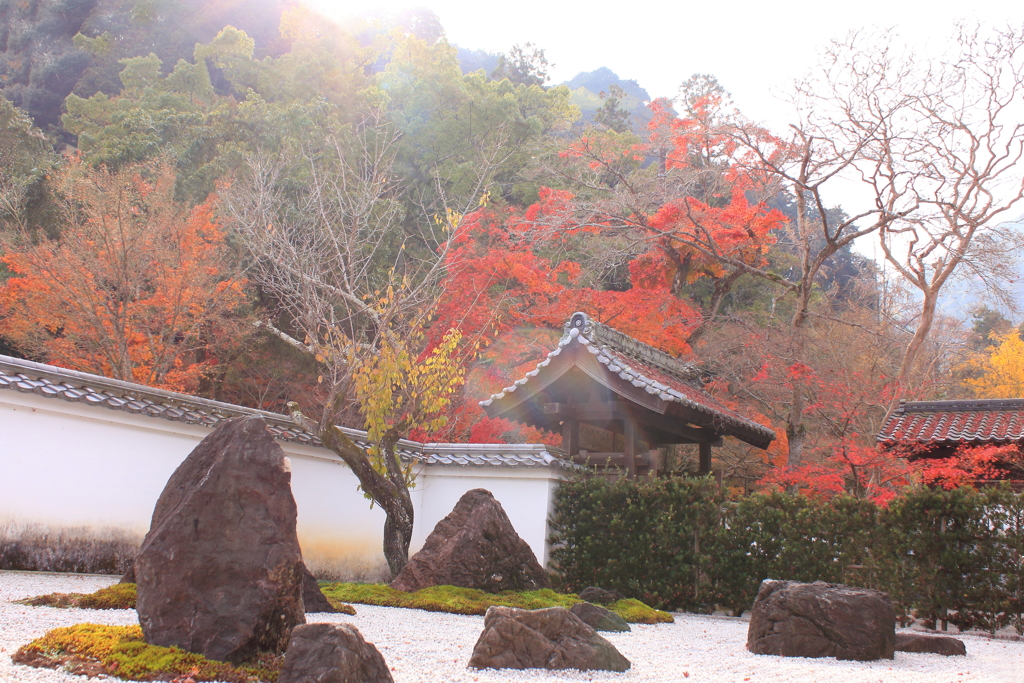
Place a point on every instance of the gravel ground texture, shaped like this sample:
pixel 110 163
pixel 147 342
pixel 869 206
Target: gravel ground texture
pixel 422 647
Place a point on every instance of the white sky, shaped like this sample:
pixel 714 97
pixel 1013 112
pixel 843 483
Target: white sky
pixel 755 49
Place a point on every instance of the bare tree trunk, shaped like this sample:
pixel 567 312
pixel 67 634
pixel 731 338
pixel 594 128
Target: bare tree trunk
pixel 397 534
pixel 931 299
pixel 796 430
pixel 390 492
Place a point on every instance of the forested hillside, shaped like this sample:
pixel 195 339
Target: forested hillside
pixel 242 200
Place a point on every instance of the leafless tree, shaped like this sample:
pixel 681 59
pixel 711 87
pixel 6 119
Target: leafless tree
pixel 946 136
pixel 323 223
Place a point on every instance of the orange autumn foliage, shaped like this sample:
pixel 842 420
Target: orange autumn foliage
pixel 137 287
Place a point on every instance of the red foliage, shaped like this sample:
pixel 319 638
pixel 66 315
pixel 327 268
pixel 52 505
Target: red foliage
pixel 971 464
pixel 506 282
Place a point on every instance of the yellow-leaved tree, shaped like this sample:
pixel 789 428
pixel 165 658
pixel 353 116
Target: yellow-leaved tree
pixel 1002 370
pixel 401 386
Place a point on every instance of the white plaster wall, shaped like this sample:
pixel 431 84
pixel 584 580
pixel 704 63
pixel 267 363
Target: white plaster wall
pixel 69 465
pixel 525 494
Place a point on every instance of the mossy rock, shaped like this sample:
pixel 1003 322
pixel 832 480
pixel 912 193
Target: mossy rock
pixel 118 596
pixel 455 600
pixel 100 650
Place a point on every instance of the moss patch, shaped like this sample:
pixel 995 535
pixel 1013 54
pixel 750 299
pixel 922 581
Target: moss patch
pixel 456 600
pixel 98 650
pixel 636 612
pixel 118 596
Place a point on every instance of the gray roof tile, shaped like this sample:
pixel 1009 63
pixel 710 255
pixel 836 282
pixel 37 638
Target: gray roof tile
pixel 72 386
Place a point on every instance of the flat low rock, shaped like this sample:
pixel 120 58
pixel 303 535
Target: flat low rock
pixel 552 638
pixel 332 653
pixel 599 618
pixel 220 571
pixel 475 546
pixel 929 644
pixel 600 596
pixel 820 619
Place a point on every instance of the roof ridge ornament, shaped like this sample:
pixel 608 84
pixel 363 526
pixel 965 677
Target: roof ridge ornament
pixel 578 321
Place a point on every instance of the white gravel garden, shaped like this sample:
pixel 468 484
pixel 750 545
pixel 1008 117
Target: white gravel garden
pixel 423 647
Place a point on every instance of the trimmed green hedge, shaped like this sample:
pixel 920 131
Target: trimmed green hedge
pixel 677 544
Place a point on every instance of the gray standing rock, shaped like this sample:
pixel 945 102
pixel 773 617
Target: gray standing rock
pixel 552 638
pixel 475 546
pixel 220 571
pixel 599 618
pixel 820 619
pixel 937 645
pixel 332 653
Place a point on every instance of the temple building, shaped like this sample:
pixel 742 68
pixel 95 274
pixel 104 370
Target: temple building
pixel 936 429
pixel 616 401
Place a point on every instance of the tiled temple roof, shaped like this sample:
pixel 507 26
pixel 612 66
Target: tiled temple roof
pixel 964 421
pixel 650 369
pixel 102 392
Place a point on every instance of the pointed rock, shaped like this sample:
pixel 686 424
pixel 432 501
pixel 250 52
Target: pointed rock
pixel 475 546
pixel 313 599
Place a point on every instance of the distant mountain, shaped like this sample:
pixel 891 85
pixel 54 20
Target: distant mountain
pixel 474 60
pixel 587 88
pixel 599 80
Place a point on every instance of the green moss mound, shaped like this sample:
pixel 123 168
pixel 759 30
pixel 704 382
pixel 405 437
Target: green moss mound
pixel 98 650
pixel 636 612
pixel 455 600
pixel 118 596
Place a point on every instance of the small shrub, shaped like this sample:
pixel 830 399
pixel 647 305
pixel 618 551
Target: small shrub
pixel 455 600
pixel 99 650
pixel 118 596
pixel 83 550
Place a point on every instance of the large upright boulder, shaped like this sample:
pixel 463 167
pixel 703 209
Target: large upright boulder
pixel 820 619
pixel 552 638
pixel 220 571
pixel 475 546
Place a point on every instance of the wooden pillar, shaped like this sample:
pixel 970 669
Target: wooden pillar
pixel 632 437
pixel 705 458
pixel 571 436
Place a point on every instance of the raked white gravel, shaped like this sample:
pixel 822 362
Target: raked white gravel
pixel 422 647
